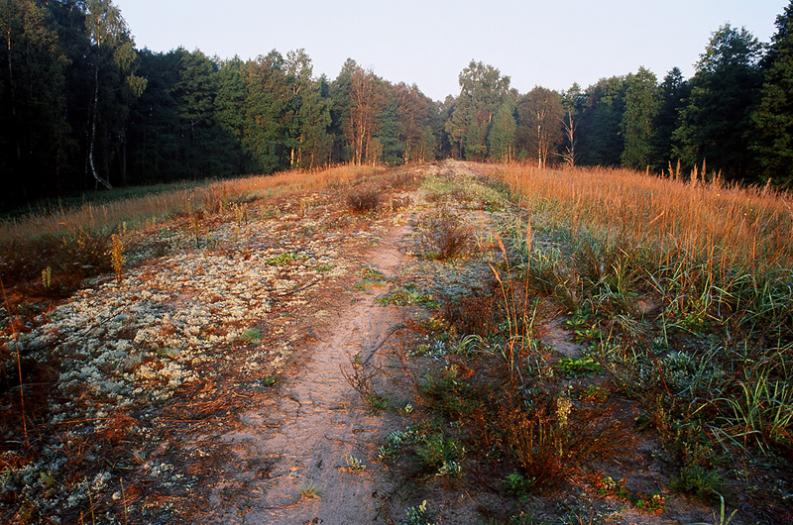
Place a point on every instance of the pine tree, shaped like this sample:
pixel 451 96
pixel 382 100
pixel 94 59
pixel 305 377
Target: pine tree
pixel 267 113
pixel 715 123
pixel 390 130
pixel 482 91
pixel 641 108
pixel 229 107
pixel 600 138
pixel 315 142
pixel 673 93
pixel 773 119
pixel 33 130
pixel 501 138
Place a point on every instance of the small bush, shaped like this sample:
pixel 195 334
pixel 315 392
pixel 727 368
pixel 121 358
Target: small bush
pixel 516 484
pixel 418 515
pixel 473 314
pixel 445 236
pixel 549 437
pixel 441 454
pixel 362 199
pixel 579 366
pixel 699 481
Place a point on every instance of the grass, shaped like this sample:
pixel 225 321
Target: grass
pixel 73 243
pixel 418 515
pixel 680 295
pixel 137 210
pixel 309 492
pixel 283 259
pixel 353 464
pixel 714 260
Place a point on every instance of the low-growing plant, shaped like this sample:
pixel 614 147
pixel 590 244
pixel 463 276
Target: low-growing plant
pixel 370 277
pixel 362 198
pixel 441 454
pixel 695 479
pixel 407 295
pixel 395 441
pixel 283 259
pixel 579 366
pixel 268 380
pixel 353 464
pixel 445 235
pixel 418 515
pixel 309 491
pixel 594 394
pixel 449 392
pixel 518 485
pixel 361 381
pixel 251 335
pixel 323 268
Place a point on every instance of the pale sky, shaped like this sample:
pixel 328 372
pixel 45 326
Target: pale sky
pixel 548 43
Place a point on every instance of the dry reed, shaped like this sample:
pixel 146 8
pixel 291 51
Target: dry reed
pixel 726 225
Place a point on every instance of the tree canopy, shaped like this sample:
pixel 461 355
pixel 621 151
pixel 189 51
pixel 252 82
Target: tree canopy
pixel 81 107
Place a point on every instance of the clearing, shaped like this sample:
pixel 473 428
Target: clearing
pixel 431 344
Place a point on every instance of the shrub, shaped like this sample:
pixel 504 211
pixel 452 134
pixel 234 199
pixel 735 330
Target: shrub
pixel 441 454
pixel 445 236
pixel 418 515
pixel 549 436
pixel 699 481
pixel 363 198
pixel 472 314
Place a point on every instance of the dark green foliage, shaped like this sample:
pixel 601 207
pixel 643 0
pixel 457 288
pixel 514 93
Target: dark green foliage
pixel 600 139
pixel 34 128
pixel 501 139
pixel 482 91
pixel 641 108
pixel 715 124
pixel 539 134
pixel 773 120
pixel 81 108
pixel 673 93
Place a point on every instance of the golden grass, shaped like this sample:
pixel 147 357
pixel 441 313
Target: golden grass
pixel 138 210
pixel 726 226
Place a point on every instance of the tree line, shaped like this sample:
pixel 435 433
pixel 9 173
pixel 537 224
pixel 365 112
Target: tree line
pixel 82 107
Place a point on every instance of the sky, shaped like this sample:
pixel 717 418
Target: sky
pixel 547 43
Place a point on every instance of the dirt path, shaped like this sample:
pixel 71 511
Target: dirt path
pixel 317 420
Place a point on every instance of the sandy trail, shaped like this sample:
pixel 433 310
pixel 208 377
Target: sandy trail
pixel 317 420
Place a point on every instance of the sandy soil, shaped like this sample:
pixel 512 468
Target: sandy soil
pixel 317 421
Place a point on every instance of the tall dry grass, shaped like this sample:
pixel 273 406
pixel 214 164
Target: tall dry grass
pixel 72 244
pixel 705 267
pixel 726 225
pixel 164 204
